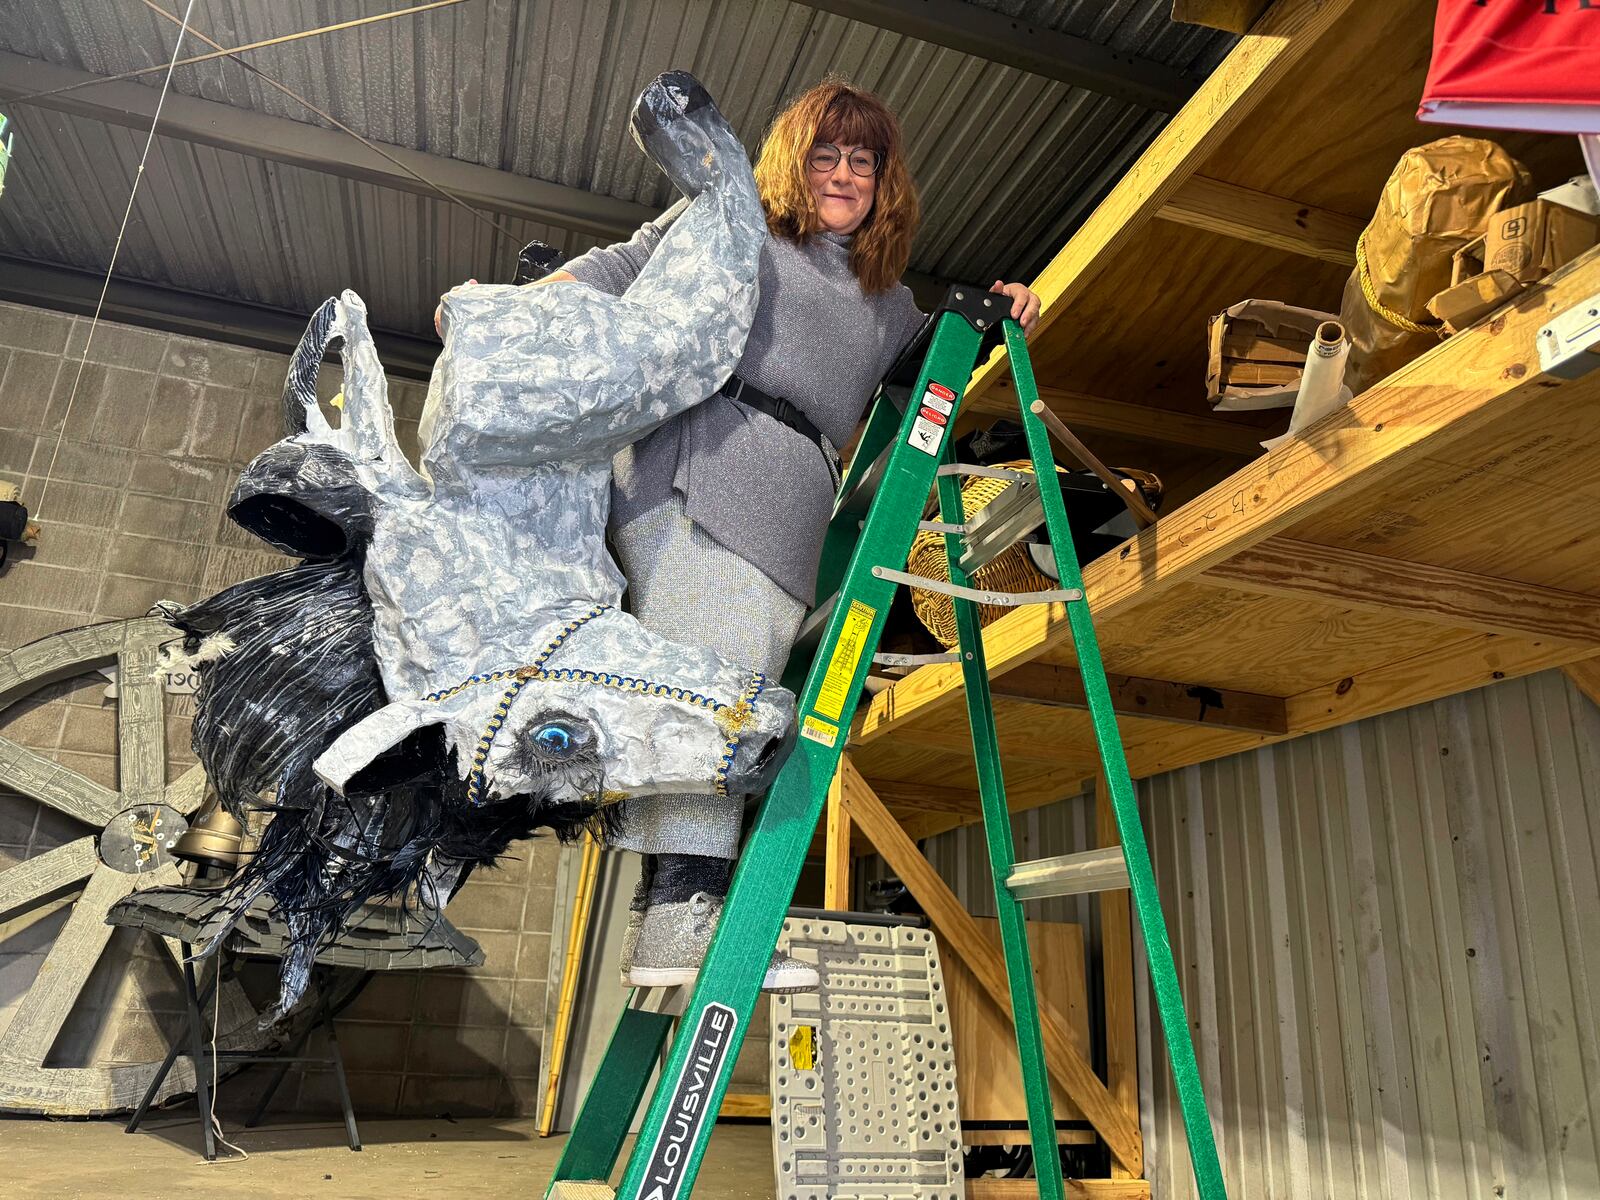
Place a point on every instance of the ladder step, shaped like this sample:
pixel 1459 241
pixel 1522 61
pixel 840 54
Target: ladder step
pixel 573 1189
pixel 811 629
pixel 978 472
pixel 668 1001
pixel 859 498
pixel 1000 524
pixel 1102 870
pixel 978 595
pixel 886 659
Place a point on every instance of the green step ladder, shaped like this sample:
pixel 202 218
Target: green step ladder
pixel 901 458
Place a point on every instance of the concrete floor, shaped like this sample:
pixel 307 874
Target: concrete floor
pixel 438 1159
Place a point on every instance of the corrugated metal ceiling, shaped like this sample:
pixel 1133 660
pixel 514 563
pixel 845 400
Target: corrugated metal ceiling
pixel 1008 162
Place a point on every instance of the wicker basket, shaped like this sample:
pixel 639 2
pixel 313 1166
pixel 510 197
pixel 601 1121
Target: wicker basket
pixel 1012 571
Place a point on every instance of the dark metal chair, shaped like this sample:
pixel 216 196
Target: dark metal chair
pixel 380 938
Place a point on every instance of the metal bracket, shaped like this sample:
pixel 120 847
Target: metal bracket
pixel 999 599
pixel 975 471
pixel 668 1001
pixel 1567 342
pixel 885 659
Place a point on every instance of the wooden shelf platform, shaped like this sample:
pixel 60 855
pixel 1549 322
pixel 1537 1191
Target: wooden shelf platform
pixel 1434 536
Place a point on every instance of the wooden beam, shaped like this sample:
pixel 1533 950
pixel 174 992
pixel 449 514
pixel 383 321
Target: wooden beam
pixel 1153 699
pixel 1230 94
pixel 926 797
pixel 1019 742
pixel 1458 599
pixel 1116 970
pixel 1141 421
pixel 1585 677
pixel 243 131
pixel 1262 219
pixel 1452 667
pixel 1479 378
pixel 953 923
pixel 1020 44
pixel 837 860
pixel 1472 662
pixel 748 1105
pixel 1235 16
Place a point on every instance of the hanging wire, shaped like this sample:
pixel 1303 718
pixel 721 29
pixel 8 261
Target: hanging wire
pixel 216 1020
pixel 105 284
pixel 342 127
pixel 221 52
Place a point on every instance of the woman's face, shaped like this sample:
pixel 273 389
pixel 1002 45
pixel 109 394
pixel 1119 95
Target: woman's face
pixel 844 197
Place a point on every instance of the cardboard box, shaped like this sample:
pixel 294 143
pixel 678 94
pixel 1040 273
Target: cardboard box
pixel 1257 352
pixel 1521 245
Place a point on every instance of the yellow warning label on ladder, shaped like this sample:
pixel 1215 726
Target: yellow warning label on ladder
pixel 835 689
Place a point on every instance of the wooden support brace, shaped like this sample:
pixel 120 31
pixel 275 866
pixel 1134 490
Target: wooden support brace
pixel 1458 599
pixel 836 864
pixel 1141 421
pixel 1155 699
pixel 953 923
pixel 1116 969
pixel 1585 677
pixel 1123 489
pixel 1262 219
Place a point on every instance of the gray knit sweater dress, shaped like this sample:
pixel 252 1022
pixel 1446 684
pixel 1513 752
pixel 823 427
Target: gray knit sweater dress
pixel 717 517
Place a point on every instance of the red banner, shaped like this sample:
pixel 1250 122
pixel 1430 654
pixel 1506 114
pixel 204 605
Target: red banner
pixel 1518 64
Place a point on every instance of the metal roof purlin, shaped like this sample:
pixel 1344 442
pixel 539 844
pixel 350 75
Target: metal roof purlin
pixel 326 150
pixel 1030 47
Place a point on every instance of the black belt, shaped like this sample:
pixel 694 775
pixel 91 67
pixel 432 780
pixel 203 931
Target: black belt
pixel 750 396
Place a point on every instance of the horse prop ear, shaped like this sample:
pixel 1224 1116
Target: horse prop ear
pixel 342 764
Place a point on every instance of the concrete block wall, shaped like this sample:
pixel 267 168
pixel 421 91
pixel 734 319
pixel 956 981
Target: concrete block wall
pixel 138 474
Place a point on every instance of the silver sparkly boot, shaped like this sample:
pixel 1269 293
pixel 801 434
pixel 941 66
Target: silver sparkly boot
pixel 665 945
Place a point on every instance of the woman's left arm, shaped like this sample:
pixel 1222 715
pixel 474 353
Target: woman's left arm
pixel 1024 304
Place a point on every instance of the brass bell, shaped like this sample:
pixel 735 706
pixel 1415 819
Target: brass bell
pixel 215 837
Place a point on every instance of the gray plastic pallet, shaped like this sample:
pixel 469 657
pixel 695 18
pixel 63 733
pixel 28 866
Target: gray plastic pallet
pixel 870 1112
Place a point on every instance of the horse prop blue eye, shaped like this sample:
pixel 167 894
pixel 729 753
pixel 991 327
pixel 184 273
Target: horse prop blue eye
pixel 554 739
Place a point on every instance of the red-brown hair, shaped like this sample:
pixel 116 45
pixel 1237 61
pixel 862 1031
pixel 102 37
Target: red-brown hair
pixel 834 111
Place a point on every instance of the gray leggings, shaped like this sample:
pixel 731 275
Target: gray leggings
pixel 685 585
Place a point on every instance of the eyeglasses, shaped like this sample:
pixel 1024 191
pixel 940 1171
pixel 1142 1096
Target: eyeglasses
pixel 863 162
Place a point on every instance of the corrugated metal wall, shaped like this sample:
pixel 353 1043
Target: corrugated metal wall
pixel 1389 936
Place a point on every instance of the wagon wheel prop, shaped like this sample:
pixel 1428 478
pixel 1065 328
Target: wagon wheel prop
pixel 28 1083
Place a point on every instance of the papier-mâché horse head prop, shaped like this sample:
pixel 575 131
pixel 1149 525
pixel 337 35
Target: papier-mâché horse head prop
pixel 512 685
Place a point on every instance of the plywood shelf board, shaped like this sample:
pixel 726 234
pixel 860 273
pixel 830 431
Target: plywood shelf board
pixel 1140 333
pixel 1464 461
pixel 1519 500
pixel 1205 633
pixel 1480 380
pixel 1332 140
pixel 989 1080
pixel 1247 78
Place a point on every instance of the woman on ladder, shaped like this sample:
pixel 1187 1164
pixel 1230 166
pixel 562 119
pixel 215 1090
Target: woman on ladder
pixel 718 516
